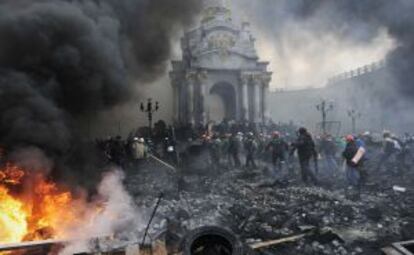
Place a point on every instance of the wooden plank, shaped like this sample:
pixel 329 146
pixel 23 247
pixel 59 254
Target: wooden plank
pixel 401 247
pixel 37 244
pixel 29 245
pixel 390 251
pixel 265 244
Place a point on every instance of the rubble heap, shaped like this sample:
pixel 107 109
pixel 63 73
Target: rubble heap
pixel 245 202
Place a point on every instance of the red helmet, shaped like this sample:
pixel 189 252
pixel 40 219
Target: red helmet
pixel 350 138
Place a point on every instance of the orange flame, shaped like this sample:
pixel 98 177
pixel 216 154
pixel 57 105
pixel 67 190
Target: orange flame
pixel 45 211
pixel 11 174
pixel 13 224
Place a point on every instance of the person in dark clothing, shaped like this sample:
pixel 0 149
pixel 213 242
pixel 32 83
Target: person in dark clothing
pixel 215 151
pixel 305 147
pixel 225 150
pixel 170 150
pixel 408 142
pixel 328 149
pixel 353 163
pixel 234 149
pixel 278 148
pixel 117 151
pixel 250 147
pixel 390 148
pixel 402 150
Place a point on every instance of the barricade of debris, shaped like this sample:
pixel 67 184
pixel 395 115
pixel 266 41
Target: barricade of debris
pixel 258 211
pixel 242 212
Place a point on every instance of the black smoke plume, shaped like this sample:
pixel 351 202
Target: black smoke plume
pixel 61 60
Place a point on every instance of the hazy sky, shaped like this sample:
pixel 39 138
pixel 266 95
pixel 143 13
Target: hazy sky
pixel 301 60
pixel 302 52
pixel 306 52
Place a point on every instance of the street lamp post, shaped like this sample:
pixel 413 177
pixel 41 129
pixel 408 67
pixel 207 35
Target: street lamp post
pixel 324 107
pixel 354 115
pixel 149 109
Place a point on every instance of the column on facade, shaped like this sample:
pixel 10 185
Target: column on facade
pixel 176 98
pixel 196 102
pixel 264 102
pixel 266 81
pixel 204 96
pixel 191 102
pixel 237 112
pixel 176 80
pixel 257 98
pixel 190 97
pixel 244 113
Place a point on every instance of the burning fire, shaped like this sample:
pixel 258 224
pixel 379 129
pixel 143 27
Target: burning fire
pixel 34 208
pixel 13 224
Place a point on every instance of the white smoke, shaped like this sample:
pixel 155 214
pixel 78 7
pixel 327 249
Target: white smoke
pixel 303 52
pixel 119 216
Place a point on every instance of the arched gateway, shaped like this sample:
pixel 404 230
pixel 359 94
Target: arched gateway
pixel 219 63
pixel 225 104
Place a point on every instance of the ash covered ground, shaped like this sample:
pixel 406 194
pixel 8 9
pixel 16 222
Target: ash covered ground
pixel 259 207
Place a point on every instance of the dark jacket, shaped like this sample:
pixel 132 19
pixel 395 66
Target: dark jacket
pixel 305 146
pixel 278 146
pixel 349 153
pixel 328 147
pixel 250 146
pixel 234 145
pixel 391 146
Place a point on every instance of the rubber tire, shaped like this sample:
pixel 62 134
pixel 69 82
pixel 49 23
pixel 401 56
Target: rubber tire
pixel 237 245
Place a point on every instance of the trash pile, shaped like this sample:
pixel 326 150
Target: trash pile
pixel 328 220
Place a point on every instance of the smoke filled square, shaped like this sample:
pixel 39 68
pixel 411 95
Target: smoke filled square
pixel 204 127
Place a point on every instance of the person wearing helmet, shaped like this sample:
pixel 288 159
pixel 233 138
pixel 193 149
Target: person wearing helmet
pixel 118 152
pixel 328 150
pixel 139 150
pixel 225 150
pixel 215 147
pixel 250 146
pixel 367 138
pixel 390 148
pixel 234 148
pixel 278 148
pixel 305 147
pixel 354 157
pixel 170 152
pixel 407 148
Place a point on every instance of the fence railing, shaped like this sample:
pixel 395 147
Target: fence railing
pixel 357 72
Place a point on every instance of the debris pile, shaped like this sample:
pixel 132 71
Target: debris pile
pixel 333 219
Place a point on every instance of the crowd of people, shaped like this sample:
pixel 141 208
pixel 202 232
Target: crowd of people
pixel 281 148
pixel 391 153
pixel 164 139
pixel 136 149
pixel 123 153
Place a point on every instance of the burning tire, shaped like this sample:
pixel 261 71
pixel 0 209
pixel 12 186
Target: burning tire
pixel 211 240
